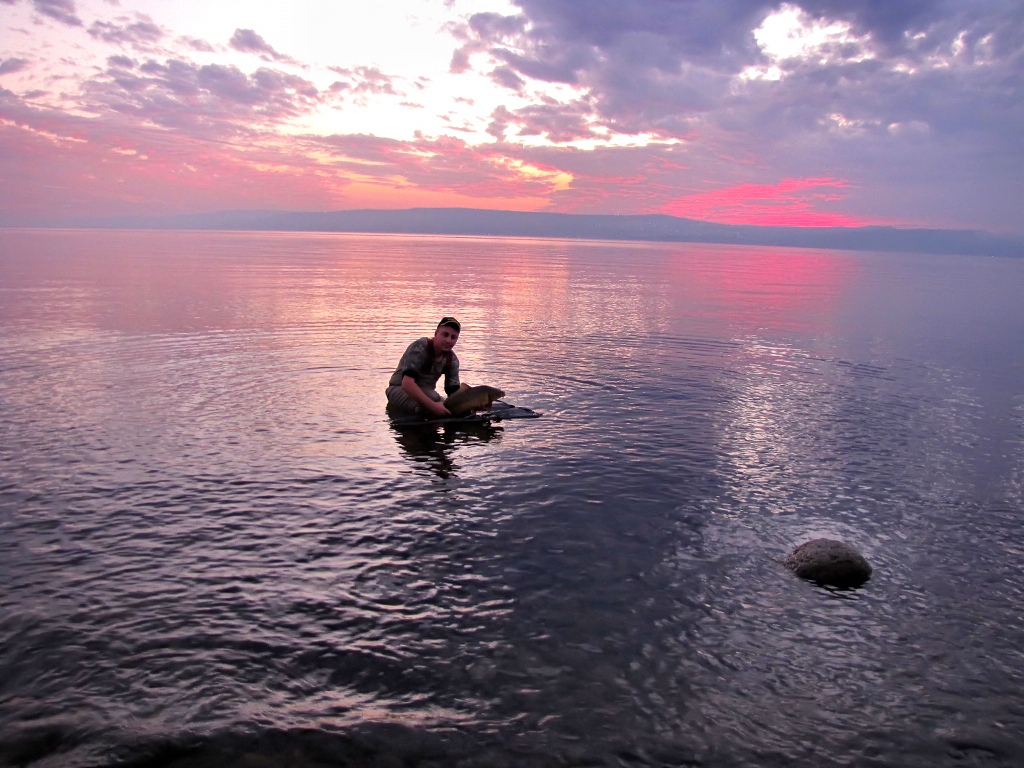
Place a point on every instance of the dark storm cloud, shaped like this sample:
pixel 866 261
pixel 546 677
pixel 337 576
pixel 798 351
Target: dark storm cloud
pixel 8 66
pixel 247 41
pixel 140 33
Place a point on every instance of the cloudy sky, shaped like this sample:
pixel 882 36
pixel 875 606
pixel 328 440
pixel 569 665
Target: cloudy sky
pixel 821 113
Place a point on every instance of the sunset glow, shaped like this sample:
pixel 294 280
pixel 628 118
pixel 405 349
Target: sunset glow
pixel 761 114
pixel 791 202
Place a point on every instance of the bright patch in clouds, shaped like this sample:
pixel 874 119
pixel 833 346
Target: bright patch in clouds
pixel 790 36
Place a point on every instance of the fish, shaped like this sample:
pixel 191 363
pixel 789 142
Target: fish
pixel 472 399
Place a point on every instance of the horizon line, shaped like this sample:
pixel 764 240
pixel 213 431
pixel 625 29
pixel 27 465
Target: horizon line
pixel 491 222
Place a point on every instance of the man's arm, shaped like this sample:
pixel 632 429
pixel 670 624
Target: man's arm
pixel 411 388
pixel 451 376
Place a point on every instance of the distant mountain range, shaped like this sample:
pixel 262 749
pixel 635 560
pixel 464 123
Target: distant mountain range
pixel 654 227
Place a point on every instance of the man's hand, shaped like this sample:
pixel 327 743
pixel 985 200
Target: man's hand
pixel 438 408
pixel 428 403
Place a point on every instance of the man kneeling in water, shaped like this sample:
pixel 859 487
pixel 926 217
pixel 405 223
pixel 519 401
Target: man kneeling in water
pixel 411 390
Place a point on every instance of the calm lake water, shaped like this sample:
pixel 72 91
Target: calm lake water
pixel 214 550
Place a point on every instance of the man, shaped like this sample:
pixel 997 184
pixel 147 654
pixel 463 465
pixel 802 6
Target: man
pixel 411 389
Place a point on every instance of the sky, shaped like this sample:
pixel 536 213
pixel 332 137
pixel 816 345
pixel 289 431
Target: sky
pixel 818 113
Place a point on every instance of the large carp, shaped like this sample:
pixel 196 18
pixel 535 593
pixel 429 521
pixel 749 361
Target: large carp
pixel 472 399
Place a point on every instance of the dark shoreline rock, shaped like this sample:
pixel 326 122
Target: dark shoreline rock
pixel 829 562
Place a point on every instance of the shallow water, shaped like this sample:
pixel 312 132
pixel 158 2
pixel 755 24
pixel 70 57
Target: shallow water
pixel 215 550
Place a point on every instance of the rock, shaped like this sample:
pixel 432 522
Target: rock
pixel 826 561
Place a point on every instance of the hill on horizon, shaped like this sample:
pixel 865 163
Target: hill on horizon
pixel 497 223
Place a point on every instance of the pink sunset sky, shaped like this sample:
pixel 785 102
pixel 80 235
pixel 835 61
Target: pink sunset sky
pixel 813 114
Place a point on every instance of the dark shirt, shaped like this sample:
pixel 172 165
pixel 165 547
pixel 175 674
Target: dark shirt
pixel 420 363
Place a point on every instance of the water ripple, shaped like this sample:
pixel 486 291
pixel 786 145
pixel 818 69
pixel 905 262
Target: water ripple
pixel 217 551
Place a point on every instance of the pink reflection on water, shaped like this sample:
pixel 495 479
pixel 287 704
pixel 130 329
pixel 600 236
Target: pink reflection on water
pixel 757 288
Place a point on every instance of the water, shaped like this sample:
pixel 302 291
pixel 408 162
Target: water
pixel 215 551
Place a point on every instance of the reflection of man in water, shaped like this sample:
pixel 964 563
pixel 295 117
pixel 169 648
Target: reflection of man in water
pixel 411 390
pixel 429 448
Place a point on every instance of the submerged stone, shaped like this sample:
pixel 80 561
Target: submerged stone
pixel 826 561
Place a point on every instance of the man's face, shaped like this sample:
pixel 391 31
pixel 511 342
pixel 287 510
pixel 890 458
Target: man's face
pixel 445 338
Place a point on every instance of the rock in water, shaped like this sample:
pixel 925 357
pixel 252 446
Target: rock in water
pixel 830 562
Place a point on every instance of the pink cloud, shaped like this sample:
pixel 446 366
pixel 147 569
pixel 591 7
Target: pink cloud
pixel 175 137
pixel 790 203
pixel 172 135
pixel 117 163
